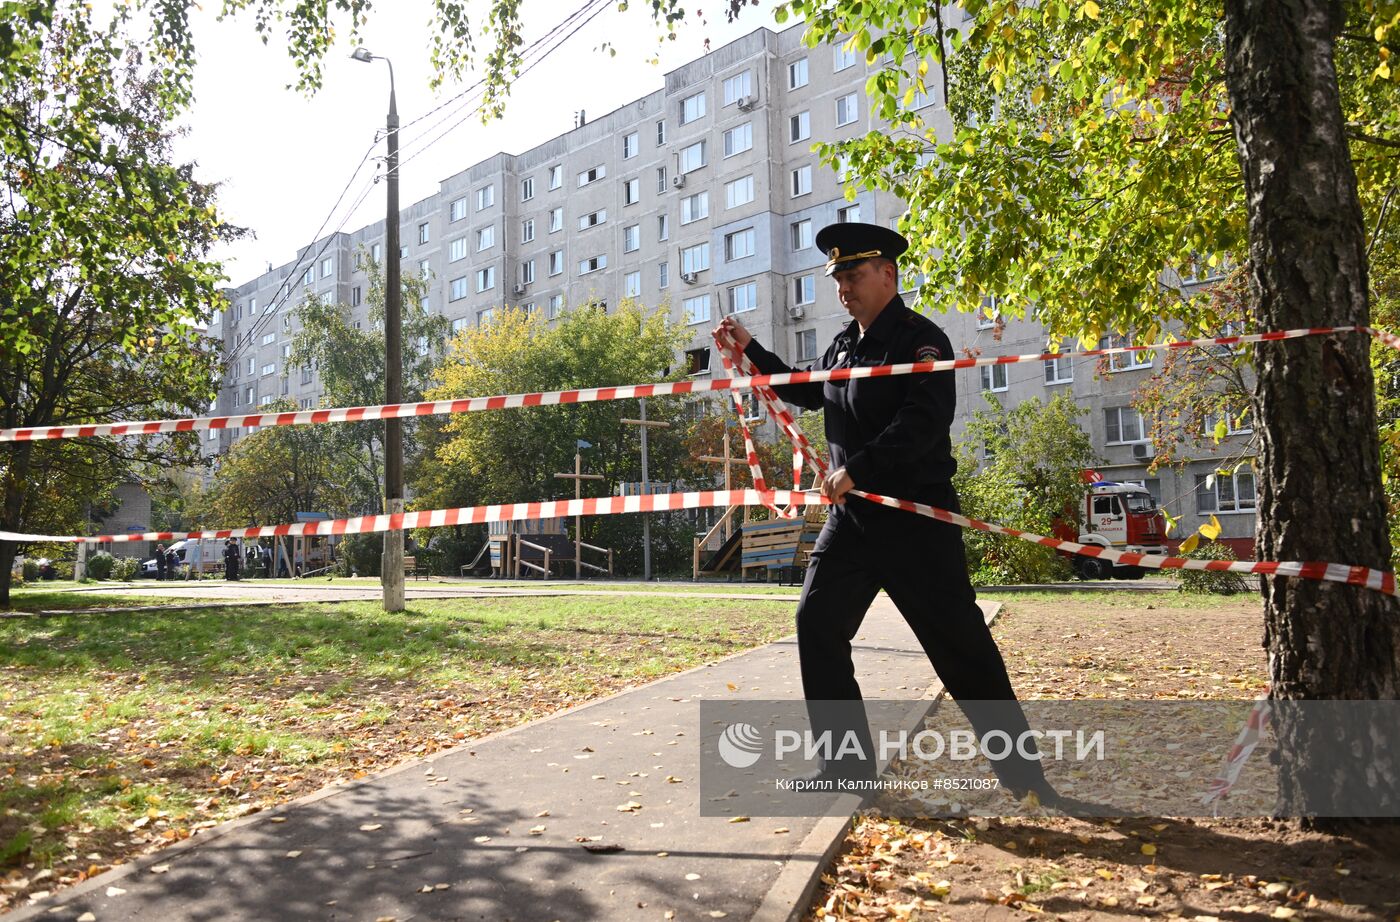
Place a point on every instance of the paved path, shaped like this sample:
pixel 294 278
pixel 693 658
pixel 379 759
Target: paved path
pixel 450 837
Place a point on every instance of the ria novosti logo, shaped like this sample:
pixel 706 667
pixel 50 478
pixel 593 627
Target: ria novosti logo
pixel 741 745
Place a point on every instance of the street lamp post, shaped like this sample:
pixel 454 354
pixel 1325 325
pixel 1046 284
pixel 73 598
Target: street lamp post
pixel 391 569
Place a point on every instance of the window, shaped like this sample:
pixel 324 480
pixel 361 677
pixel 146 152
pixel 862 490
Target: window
pixel 660 180
pixel 403 251
pixel 527 272
pixel 459 325
pixel 556 176
pixel 591 176
pixel 692 157
pixel 1122 425
pixel 848 215
pixel 692 107
pixel 457 249
pixel 695 258
pixel 553 306
pixel 485 197
pixel 375 252
pixel 663 227
pixel 660 132
pixel 743 297
pixel 1125 361
pixel 843 57
pixel 801 233
pixel 738 139
pixel 1059 371
pixel 737 87
pixel 846 110
pixel 797 74
pixel 556 219
pixel 458 210
pixel 1225 492
pixel 694 207
pixel 592 264
pixel 804 289
pixel 663 275
pixel 483 317
pixel 248 396
pixel 264 400
pixel 994 378
pixel 356 296
pixel 632 191
pixel 631 238
pixel 309 276
pixel 629 146
pixel 425 268
pixel 990 314
pixel 801 180
pixel 738 192
pixel 486 278
pixel 286 350
pixel 485 237
pixel 328 265
pixel 269 338
pixel 528 307
pixel 269 368
pixel 632 284
pixel 457 289
pixel 697 310
pixel 697 361
pixel 527 230
pixel 556 262
pixel 739 245
pixel 306 375
pixel 806 345
pixel 593 219
pixel 424 232
pixel 799 127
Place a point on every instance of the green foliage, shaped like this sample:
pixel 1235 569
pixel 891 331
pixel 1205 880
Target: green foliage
pixel 350 364
pixel 1023 468
pixel 1089 149
pixel 31 570
pixel 126 568
pixel 1209 582
pixel 268 477
pixel 100 565
pixel 359 555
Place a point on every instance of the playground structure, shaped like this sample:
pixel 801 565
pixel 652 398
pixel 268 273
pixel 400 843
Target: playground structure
pixel 776 549
pixel 532 548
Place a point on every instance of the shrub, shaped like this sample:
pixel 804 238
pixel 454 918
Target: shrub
pixel 1212 582
pixel 126 568
pixel 31 570
pixel 99 565
pixel 360 554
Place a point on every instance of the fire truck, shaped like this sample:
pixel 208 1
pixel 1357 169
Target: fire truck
pixel 1121 516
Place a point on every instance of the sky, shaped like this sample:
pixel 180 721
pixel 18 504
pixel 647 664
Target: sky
pixel 282 158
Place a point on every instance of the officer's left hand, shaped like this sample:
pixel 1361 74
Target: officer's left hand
pixel 836 485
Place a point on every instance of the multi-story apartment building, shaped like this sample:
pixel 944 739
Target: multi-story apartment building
pixel 702 197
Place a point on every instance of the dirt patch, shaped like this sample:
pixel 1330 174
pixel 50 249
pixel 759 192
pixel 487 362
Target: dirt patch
pixel 1026 867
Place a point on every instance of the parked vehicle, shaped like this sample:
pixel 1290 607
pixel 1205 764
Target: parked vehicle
pixel 1121 516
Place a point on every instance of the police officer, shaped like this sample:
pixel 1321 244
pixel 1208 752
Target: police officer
pixel 889 435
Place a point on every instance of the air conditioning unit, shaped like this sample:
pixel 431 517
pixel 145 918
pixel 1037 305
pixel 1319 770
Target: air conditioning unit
pixel 688 278
pixel 796 311
pixel 746 103
pixel 520 288
pixel 1142 451
pixel 678 180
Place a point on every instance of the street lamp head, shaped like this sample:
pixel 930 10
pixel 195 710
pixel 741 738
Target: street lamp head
pixel 362 54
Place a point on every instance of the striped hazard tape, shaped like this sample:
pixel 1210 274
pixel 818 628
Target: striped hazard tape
pixel 622 392
pixel 1240 752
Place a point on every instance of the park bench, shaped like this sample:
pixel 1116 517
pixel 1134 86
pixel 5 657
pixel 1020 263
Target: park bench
pixel 411 568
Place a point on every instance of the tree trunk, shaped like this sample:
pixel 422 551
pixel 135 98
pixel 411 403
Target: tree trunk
pixel 12 484
pixel 1319 459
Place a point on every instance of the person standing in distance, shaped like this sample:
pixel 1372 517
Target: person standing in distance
pixel 889 435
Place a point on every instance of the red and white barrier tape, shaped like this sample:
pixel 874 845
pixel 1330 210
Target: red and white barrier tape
pixel 590 395
pixel 1239 753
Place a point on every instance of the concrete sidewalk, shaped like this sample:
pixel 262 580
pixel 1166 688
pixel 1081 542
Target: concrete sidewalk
pixel 492 830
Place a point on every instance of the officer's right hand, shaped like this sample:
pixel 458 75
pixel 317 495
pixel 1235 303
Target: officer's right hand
pixel 735 330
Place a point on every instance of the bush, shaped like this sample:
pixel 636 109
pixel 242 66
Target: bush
pixel 126 568
pixel 1212 582
pixel 31 570
pixel 63 569
pixel 360 554
pixel 99 565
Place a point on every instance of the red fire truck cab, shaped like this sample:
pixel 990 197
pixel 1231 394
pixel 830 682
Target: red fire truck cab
pixel 1121 516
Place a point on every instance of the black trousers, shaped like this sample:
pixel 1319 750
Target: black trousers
pixel 921 564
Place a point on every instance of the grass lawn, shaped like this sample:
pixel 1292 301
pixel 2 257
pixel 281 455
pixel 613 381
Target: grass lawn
pixel 119 734
pixel 33 600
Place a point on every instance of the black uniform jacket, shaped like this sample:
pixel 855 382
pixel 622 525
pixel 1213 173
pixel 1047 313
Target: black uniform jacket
pixel 889 433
